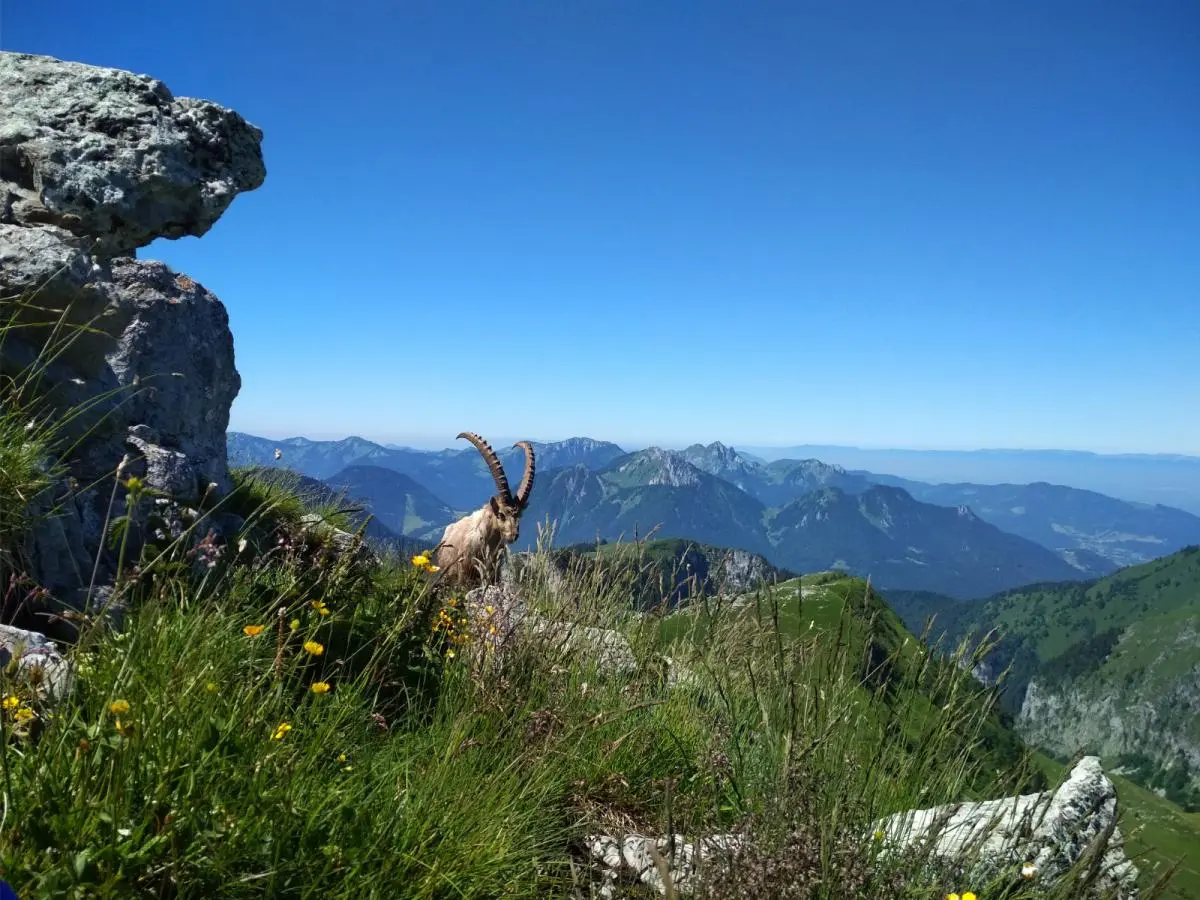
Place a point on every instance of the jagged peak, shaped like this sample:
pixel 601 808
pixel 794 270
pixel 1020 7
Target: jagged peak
pixel 671 468
pixel 717 458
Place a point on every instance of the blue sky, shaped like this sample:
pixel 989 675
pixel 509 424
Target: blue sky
pixel 919 224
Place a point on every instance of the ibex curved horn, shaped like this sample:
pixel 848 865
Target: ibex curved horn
pixel 493 463
pixel 526 479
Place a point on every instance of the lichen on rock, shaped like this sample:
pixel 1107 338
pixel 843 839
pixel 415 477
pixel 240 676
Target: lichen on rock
pixel 113 156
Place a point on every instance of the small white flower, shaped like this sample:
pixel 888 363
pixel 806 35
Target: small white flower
pixel 1029 870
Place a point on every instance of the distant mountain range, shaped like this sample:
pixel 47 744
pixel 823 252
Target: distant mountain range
pixel 395 499
pixel 1094 526
pixel 1171 479
pixel 1110 666
pixel 458 477
pixel 963 540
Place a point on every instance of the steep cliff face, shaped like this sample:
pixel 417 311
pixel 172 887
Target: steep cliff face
pixel 1108 667
pixel 1140 711
pixel 135 362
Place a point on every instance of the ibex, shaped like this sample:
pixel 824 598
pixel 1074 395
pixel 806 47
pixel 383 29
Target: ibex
pixel 471 549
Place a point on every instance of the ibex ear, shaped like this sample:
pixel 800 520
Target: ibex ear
pixel 494 505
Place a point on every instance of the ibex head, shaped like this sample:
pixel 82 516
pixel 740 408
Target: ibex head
pixel 506 508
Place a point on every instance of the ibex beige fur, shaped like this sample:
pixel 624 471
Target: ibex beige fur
pixel 472 549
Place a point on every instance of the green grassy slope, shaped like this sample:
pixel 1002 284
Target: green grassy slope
pixel 905 683
pixel 1115 669
pixel 291 722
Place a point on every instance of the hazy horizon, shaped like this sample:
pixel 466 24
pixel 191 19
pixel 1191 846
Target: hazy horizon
pixel 418 443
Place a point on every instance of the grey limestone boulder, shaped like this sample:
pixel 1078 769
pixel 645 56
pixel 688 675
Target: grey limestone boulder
pixel 134 362
pixel 1040 837
pixel 1045 833
pixel 501 616
pixel 115 156
pixel 38 662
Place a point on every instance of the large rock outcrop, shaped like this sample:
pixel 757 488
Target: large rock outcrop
pixel 114 157
pixel 1045 834
pixel 1040 838
pixel 95 163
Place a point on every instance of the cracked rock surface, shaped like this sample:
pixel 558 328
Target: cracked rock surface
pixel 95 163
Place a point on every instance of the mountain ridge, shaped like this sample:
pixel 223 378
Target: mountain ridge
pixel 397 500
pixel 1066 519
pixel 715 494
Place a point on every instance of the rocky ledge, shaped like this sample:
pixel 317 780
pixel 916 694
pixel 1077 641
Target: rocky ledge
pixel 1045 838
pixel 95 163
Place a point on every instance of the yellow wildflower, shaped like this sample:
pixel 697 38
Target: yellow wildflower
pixel 253 630
pixel 341 757
pixel 450 653
pixel 280 730
pixel 211 687
pixel 969 895
pixel 119 707
pixel 420 561
pixel 320 687
pixel 879 835
pixel 12 701
pixel 320 607
pixel 122 729
pixel 24 714
pixel 294 624
pixel 432 568
pixel 314 648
